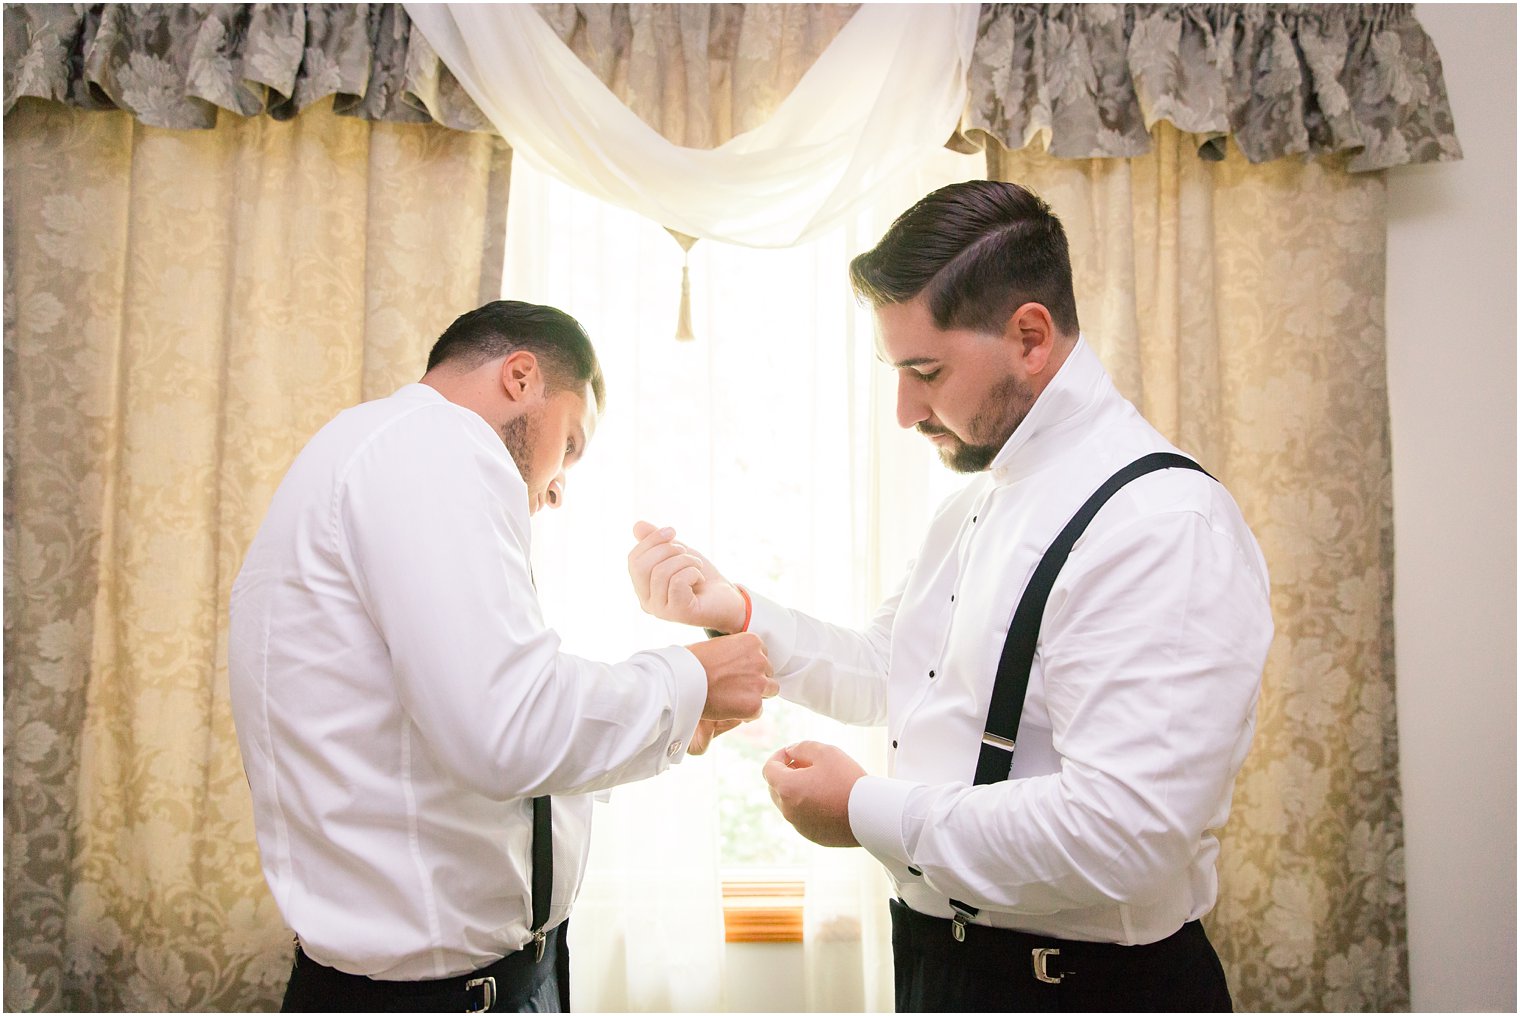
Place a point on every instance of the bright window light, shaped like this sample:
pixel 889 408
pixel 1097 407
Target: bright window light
pixel 768 442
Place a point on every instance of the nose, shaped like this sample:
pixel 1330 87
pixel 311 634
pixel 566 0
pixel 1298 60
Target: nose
pixel 910 408
pixel 554 496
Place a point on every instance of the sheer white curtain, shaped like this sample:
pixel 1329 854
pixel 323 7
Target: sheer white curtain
pixel 885 93
pixel 769 441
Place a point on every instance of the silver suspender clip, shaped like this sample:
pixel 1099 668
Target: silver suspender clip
pixel 538 945
pixel 958 922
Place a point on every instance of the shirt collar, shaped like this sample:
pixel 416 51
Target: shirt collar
pixel 1070 401
pixel 419 392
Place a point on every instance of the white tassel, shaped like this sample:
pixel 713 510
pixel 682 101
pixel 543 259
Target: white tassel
pixel 683 313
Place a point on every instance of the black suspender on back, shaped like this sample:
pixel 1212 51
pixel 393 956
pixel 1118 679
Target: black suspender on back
pixel 1012 681
pixel 542 857
pixel 543 871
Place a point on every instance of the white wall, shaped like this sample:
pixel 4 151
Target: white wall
pixel 1451 375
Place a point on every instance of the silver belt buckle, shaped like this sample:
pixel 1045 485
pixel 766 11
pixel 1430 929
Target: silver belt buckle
pixel 1042 968
pixel 487 986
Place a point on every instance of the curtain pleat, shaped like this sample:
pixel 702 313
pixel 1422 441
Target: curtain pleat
pixel 183 311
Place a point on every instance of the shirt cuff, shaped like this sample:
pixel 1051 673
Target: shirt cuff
pixel 688 684
pixel 876 818
pixel 777 628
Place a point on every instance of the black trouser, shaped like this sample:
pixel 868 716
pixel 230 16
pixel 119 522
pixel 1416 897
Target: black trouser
pixel 995 970
pixel 519 982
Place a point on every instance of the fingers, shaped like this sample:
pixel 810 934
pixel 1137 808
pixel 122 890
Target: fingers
pixel 647 556
pixel 772 686
pixel 775 771
pixel 780 755
pixel 781 779
pixel 701 737
pixel 672 574
pixel 651 539
pixel 806 753
pixel 738 676
pixel 665 574
pixel 708 731
pixel 642 529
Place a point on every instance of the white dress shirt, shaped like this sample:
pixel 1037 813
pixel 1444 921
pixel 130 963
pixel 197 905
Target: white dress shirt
pixel 399 700
pixel 1141 700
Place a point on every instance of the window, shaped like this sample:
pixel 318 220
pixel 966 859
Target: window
pixel 768 442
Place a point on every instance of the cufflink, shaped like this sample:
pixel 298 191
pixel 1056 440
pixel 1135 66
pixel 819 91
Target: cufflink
pixel 674 749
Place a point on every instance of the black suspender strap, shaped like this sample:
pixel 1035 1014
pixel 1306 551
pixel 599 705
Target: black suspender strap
pixel 543 857
pixel 543 870
pixel 1012 681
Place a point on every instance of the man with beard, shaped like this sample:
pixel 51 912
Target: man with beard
pixel 1068 672
pixel 404 714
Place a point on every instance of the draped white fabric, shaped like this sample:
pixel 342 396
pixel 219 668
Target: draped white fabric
pixel 888 91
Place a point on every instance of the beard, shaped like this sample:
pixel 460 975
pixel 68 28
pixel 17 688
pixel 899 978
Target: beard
pixel 520 434
pixel 994 423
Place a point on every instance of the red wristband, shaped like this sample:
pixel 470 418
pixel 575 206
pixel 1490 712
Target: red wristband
pixel 749 606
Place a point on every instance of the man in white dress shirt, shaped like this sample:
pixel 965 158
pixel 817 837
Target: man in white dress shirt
pixel 1073 876
pixel 404 712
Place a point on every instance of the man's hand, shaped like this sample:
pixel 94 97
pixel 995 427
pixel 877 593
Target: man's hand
pixel 811 784
pixel 707 730
pixel 738 677
pixel 675 583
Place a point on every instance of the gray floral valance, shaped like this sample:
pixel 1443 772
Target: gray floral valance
pixel 175 65
pixel 1281 79
pixel 1083 80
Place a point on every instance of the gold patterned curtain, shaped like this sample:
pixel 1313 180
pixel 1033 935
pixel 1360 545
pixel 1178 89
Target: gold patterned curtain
pixel 183 310
pixel 1240 307
pixel 698 73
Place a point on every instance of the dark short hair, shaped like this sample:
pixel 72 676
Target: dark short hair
pixel 505 326
pixel 978 250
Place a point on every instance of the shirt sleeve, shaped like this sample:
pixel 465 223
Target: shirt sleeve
pixel 1152 649
pixel 836 671
pixel 432 520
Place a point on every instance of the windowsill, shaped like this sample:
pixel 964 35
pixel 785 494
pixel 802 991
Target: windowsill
pixel 762 910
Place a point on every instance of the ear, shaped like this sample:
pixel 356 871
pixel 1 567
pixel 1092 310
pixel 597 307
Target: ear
pixel 521 376
pixel 1033 335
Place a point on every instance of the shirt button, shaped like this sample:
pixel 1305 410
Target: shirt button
pixel 952 597
pixel 931 673
pixel 673 750
pixel 915 872
pixel 894 744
